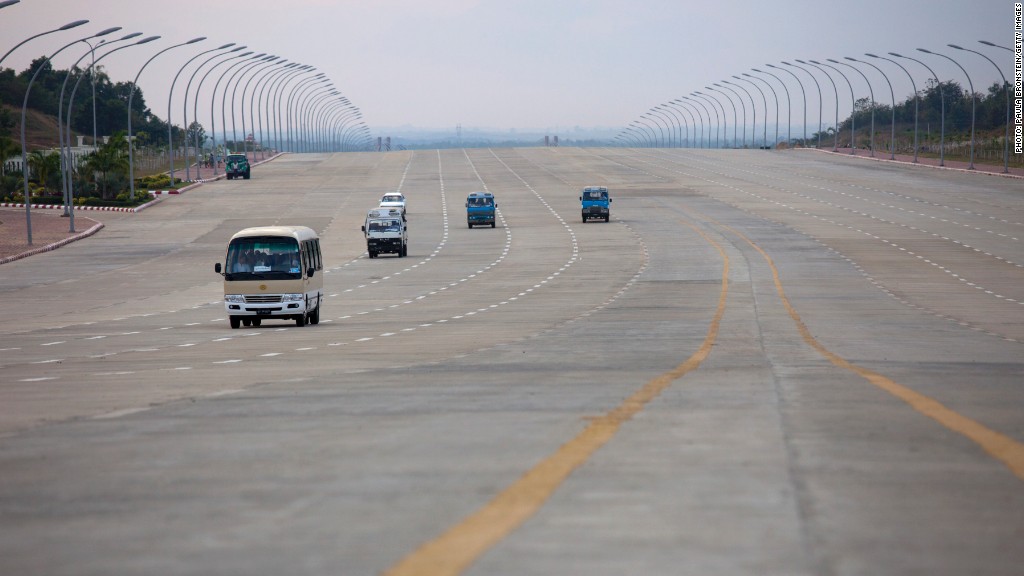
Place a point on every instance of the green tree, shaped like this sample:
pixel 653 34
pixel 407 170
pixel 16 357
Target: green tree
pixel 45 167
pixel 196 133
pixel 110 158
pixel 8 148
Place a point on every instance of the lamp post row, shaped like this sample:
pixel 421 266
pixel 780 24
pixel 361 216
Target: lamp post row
pixel 298 121
pixel 696 99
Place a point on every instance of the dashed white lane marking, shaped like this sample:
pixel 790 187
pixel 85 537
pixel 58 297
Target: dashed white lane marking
pixel 120 413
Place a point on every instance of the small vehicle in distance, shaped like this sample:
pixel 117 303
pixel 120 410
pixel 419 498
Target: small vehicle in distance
pixel 237 165
pixel 386 232
pixel 273 272
pixel 480 209
pixel 393 200
pixel 595 203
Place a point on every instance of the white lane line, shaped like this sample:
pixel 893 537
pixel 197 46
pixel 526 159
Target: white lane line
pixel 119 413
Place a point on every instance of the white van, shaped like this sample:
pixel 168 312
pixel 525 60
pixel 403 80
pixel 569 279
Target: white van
pixel 273 272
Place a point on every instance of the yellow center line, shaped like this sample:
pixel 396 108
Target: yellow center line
pixel 460 546
pixel 1001 447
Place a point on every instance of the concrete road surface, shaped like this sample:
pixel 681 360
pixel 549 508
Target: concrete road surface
pixel 768 362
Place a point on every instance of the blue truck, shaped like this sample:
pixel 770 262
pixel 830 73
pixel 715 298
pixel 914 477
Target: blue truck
pixel 480 207
pixel 595 203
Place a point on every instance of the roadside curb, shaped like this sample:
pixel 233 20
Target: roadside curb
pixel 918 164
pixel 94 229
pixel 156 194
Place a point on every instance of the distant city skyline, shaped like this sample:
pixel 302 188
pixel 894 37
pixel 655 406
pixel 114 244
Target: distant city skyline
pixel 531 65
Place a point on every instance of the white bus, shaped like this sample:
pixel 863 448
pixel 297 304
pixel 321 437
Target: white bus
pixel 273 272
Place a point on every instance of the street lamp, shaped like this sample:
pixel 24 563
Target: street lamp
pixel 71 102
pixel 678 104
pixel 718 121
pixel 973 98
pixel 789 106
pixel 184 106
pixel 853 107
pixel 766 83
pixel 892 140
pixel 679 121
pixel 835 133
pixel 801 84
pixel 697 107
pixel 753 113
pixel 735 120
pixel 323 116
pixel 24 109
pixel 297 94
pixel 213 96
pixel 942 108
pixel 243 59
pixel 657 122
pixel 131 95
pixel 916 96
pixel 255 101
pixel 67 26
pixel 653 140
pixel 310 112
pixel 65 163
pixel 170 94
pixel 872 93
pixel 639 123
pixel 1006 89
pixel 820 102
pixel 246 66
pixel 764 99
pixel 258 66
pixel 274 101
pixel 302 104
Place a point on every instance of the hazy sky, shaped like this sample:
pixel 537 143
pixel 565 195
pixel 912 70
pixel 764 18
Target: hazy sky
pixel 528 64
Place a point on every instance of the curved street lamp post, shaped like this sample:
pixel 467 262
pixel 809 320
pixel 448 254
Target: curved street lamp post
pixel 871 91
pixel 676 104
pixel 735 119
pixel 803 142
pixel 720 124
pixel 789 106
pixel 184 107
pixel 1006 89
pixel 835 131
pixel 131 96
pixel 71 102
pixel 917 96
pixel 942 107
pixel 766 83
pixel 24 110
pixel 753 115
pixel 892 141
pixel 974 98
pixel 853 106
pixel 820 100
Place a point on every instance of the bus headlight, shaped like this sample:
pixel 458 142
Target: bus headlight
pixel 292 297
pixel 237 298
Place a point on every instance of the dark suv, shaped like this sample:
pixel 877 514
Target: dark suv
pixel 237 165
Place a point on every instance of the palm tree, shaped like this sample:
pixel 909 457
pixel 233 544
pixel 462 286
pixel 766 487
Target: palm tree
pixel 111 157
pixel 44 166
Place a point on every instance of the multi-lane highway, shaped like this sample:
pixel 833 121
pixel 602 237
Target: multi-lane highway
pixel 766 363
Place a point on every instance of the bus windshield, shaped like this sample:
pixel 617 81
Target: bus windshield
pixel 264 258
